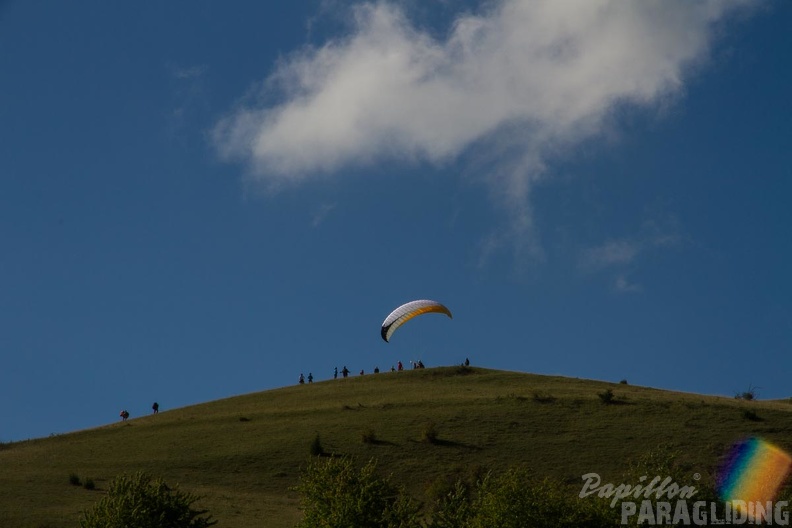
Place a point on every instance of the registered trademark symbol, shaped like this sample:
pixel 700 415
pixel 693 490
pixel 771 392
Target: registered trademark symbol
pixel 696 476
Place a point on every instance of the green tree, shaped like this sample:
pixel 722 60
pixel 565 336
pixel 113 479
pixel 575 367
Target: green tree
pixel 140 501
pixel 336 494
pixel 453 508
pixel 666 461
pixel 517 499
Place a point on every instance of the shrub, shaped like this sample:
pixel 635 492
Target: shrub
pixel 452 504
pixel 454 510
pixel 369 437
pixel 662 460
pixel 316 446
pixel 748 414
pixel 429 433
pixel 748 395
pixel 335 493
pixel 140 501
pixel 668 461
pixel 607 396
pixel 74 479
pixel 439 487
pixel 518 499
pixel 543 397
pixel 623 382
pixel 89 484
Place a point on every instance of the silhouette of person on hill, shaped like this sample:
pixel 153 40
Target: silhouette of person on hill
pixel 310 378
pixel 124 415
pixel 376 370
pixel 467 362
pixel 335 373
pixel 302 378
pixel 155 407
pixel 345 371
pixel 399 366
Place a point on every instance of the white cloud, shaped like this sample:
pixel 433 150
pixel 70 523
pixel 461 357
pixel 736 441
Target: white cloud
pixel 624 251
pixel 321 214
pixel 623 285
pixel 611 253
pixel 616 256
pixel 520 80
pixel 189 72
pixel 189 96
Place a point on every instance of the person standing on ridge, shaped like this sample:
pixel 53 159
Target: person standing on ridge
pixel 155 407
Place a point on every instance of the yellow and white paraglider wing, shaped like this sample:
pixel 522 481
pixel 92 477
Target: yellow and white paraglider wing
pixel 405 312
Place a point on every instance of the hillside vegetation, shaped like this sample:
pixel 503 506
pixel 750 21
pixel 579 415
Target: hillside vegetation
pixel 243 454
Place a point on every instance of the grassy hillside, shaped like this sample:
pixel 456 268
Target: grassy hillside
pixel 243 453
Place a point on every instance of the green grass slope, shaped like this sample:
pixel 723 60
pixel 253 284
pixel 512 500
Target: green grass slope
pixel 244 453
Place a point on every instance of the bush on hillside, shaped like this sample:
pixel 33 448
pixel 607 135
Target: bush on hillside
pixel 336 493
pixel 666 461
pixel 517 499
pixel 543 397
pixel 452 506
pixel 607 396
pixel 429 433
pixel 663 460
pixel 316 448
pixel 141 501
pixel 748 395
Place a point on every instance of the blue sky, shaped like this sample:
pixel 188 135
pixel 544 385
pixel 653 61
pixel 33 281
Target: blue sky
pixel 199 200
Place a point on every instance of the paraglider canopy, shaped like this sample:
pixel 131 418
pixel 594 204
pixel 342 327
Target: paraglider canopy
pixel 407 311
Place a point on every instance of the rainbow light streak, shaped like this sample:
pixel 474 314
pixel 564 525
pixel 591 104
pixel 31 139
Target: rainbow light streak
pixel 754 471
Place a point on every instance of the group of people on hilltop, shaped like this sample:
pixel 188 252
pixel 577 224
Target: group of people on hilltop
pixel 345 371
pixel 124 414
